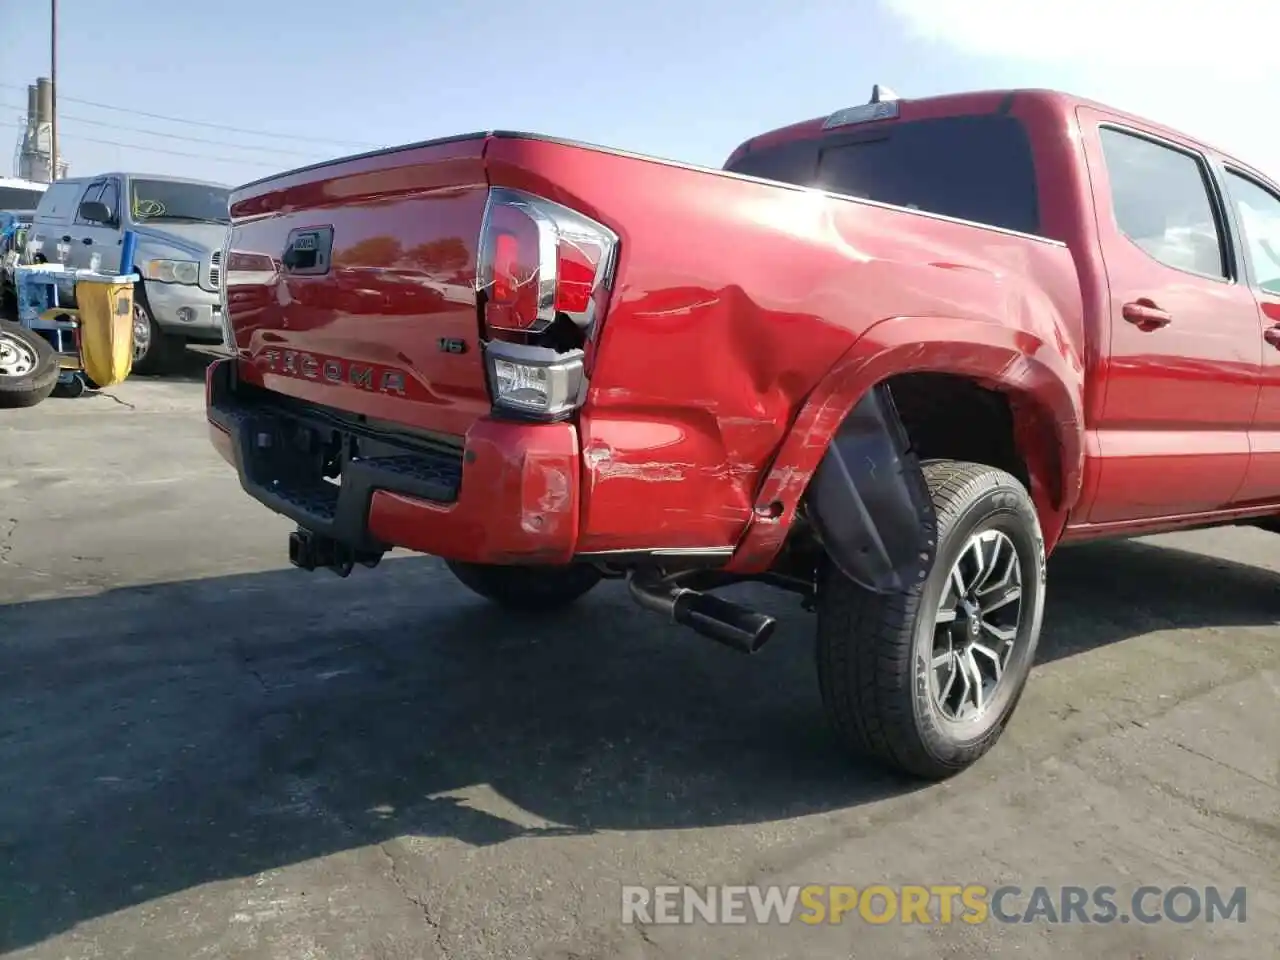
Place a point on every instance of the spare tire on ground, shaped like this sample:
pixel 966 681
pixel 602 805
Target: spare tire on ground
pixel 28 366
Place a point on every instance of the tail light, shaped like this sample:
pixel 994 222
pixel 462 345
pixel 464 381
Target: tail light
pixel 224 313
pixel 542 280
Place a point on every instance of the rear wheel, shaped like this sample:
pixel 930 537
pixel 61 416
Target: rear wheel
pixel 925 681
pixel 529 589
pixel 28 366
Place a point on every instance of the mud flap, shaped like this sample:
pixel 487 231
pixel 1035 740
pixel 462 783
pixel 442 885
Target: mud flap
pixel 869 502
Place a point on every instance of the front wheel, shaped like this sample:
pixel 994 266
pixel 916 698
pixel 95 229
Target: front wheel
pixel 925 681
pixel 527 589
pixel 154 351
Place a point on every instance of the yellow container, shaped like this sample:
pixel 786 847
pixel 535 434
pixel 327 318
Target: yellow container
pixel 106 327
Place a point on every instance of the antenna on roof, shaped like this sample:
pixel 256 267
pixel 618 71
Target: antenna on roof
pixel 881 93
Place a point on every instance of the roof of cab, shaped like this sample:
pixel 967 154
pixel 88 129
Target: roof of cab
pixel 991 101
pixel 135 175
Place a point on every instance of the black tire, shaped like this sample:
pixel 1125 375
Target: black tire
pixel 29 388
pixel 164 352
pixel 875 651
pixel 527 589
pixel 72 388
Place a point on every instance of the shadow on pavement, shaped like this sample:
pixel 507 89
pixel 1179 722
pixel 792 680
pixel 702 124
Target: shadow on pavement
pixel 161 737
pixel 190 369
pixel 1107 592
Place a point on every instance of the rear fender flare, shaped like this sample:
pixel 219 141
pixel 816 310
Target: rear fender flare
pixel 869 502
pixel 1044 382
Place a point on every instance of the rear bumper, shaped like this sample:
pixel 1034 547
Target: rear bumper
pixel 509 493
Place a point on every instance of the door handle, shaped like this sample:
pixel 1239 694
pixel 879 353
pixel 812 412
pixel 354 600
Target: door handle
pixel 1145 315
pixel 1272 336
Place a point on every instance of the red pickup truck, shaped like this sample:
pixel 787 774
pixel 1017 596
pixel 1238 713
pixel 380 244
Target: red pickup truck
pixel 888 359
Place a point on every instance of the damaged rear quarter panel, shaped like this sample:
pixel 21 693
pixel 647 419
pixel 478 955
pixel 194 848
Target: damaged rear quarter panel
pixel 733 301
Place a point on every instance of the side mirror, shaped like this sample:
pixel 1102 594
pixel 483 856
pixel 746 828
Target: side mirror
pixel 95 211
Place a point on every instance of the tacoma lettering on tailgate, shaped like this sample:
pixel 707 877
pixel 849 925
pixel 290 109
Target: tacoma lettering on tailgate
pixel 312 366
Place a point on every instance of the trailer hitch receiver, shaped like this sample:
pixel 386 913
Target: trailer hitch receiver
pixel 309 550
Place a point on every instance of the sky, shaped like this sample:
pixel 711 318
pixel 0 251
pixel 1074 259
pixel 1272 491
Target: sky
pixel 682 79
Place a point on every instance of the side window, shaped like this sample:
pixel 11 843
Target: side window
pixel 1160 197
pixel 1259 212
pixel 94 192
pixel 111 197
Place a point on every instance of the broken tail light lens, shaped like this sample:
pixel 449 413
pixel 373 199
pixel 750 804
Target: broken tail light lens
pixel 539 264
pixel 538 261
pixel 513 295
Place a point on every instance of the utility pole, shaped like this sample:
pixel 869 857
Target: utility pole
pixel 53 84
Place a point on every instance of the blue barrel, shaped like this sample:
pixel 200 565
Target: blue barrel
pixel 128 247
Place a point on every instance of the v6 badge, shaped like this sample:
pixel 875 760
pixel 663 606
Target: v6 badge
pixel 453 345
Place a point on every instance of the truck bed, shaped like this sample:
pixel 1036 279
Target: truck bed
pixel 732 297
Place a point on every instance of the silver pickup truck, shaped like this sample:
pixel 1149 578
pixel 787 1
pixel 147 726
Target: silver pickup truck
pixel 180 224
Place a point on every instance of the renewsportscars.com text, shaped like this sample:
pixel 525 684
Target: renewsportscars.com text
pixel 931 904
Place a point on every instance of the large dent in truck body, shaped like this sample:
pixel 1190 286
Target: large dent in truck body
pixel 776 386
pixel 704 436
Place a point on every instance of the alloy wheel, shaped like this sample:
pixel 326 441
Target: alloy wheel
pixel 141 332
pixel 976 626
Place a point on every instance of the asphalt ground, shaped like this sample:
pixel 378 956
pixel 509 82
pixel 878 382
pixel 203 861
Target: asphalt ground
pixel 205 753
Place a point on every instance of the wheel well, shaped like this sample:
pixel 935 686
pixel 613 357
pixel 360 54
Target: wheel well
pixel 948 417
pixel 931 416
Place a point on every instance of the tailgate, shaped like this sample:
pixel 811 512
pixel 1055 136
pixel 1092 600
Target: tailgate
pixel 351 284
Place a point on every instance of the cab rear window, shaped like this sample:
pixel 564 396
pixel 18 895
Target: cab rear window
pixel 977 168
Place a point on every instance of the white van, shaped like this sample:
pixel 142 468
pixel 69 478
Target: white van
pixel 20 195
